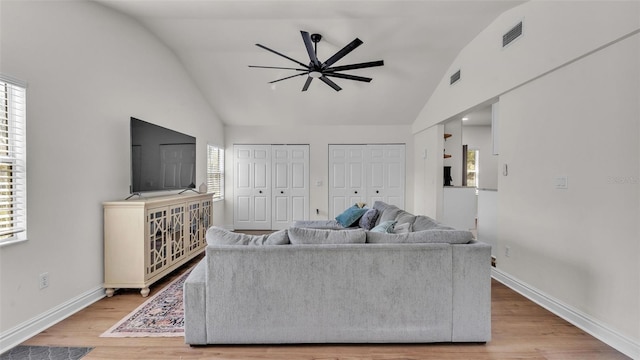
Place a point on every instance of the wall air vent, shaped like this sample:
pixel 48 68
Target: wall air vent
pixel 455 77
pixel 512 34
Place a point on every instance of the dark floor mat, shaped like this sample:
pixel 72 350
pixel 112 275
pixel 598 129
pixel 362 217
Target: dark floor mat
pixel 22 352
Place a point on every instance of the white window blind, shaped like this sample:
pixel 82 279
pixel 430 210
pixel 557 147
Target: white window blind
pixel 215 171
pixel 13 217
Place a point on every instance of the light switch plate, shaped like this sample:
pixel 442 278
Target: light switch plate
pixel 562 182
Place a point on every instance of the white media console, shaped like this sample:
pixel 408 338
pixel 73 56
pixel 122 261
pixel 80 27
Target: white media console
pixel 145 239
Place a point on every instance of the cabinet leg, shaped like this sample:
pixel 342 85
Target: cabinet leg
pixel 109 292
pixel 144 292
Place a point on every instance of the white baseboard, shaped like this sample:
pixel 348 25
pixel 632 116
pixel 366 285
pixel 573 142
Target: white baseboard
pixel 13 337
pixel 581 320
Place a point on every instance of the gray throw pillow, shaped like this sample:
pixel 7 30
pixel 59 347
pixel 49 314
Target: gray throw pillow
pixel 425 236
pixel 368 220
pixel 219 236
pixel 302 236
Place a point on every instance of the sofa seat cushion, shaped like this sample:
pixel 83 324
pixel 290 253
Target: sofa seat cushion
pixel 219 236
pixel 303 236
pixel 424 236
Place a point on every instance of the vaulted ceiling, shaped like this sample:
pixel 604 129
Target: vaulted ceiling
pixel 215 40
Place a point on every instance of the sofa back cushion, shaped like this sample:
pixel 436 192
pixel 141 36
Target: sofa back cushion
pixel 425 236
pixel 219 236
pixel 422 222
pixel 386 212
pixel 304 236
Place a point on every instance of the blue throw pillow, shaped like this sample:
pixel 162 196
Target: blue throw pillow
pixel 385 227
pixel 350 216
pixel 368 220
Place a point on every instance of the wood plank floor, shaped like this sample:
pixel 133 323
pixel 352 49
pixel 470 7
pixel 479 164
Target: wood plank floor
pixel 520 330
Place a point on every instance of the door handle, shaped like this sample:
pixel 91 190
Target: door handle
pixel 377 192
pixel 260 191
pixel 355 192
pixel 281 192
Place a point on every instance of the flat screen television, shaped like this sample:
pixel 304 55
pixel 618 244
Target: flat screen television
pixel 161 159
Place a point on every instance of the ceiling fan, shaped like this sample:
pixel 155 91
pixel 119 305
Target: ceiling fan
pixel 322 70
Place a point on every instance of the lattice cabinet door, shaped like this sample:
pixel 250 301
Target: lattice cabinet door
pixel 157 242
pixel 194 225
pixel 177 236
pixel 207 212
pixel 199 222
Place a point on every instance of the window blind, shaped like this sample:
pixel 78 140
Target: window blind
pixel 12 161
pixel 215 171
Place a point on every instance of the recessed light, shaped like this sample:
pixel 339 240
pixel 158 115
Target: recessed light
pixel 465 118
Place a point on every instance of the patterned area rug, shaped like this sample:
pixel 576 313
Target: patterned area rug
pixel 162 315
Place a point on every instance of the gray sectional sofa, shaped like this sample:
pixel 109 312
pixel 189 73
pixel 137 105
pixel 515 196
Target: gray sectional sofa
pixel 306 285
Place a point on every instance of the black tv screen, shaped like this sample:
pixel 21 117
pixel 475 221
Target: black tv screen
pixel 161 159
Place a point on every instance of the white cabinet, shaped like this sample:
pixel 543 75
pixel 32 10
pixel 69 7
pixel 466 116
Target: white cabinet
pixel 365 173
pixel 271 186
pixel 145 239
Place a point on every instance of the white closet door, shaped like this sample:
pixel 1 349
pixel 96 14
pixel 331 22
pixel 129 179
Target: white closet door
pixel 290 184
pixel 385 174
pixel 252 188
pixel 346 177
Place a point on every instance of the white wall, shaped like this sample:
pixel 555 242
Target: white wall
pixel 569 95
pixel 479 138
pixel 88 70
pixel 428 179
pixel 579 245
pixel 554 33
pixel 319 138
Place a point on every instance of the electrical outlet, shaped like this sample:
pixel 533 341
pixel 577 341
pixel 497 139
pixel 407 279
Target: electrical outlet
pixel 44 280
pixel 507 251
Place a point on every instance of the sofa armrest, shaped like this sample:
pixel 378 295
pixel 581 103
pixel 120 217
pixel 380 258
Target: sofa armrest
pixel 471 292
pixel 194 294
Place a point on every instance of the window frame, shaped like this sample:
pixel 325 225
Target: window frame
pixel 212 171
pixel 13 155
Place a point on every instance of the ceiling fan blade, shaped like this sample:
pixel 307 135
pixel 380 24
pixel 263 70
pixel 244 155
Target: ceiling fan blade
pixel 328 81
pixel 342 52
pixel 355 66
pixel 288 77
pixel 350 77
pixel 309 45
pixel 307 83
pixel 284 56
pixel 276 67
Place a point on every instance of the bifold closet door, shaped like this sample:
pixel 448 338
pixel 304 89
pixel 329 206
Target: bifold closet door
pixel 365 173
pixel 290 184
pixel 385 174
pixel 252 187
pixel 346 177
